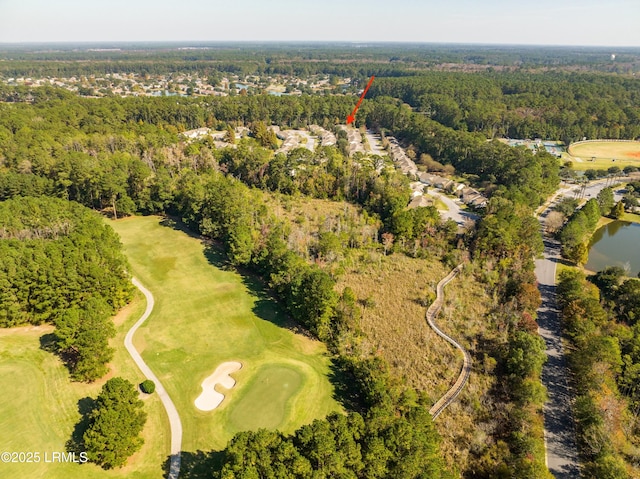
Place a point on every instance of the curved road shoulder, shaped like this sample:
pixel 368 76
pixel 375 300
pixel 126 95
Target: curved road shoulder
pixel 432 312
pixel 172 412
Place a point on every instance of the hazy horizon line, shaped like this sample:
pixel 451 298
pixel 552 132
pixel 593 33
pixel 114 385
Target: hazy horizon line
pixel 305 42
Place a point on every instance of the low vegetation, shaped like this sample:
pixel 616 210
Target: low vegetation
pixel 148 386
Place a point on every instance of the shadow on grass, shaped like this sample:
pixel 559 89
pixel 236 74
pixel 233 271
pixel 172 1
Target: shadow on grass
pixel 48 344
pixel 76 442
pixel 196 465
pixel 563 261
pixel 265 305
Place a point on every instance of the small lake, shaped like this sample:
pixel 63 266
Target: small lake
pixel 616 244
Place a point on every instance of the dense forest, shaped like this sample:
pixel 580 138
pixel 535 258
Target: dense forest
pixel 62 265
pixel 553 106
pixel 601 325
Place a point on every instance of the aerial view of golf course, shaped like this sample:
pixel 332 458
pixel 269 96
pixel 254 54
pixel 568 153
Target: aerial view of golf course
pixel 207 321
pixel 206 316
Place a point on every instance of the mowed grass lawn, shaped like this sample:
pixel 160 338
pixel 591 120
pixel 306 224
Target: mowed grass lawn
pixel 39 406
pixel 601 154
pixel 206 314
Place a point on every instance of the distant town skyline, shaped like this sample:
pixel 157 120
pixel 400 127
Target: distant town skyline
pixel 545 22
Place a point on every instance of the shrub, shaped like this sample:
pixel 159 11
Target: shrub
pixel 148 386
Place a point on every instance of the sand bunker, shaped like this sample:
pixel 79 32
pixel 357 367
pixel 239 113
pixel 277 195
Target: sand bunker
pixel 210 399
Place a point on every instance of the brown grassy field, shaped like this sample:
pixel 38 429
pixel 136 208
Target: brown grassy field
pixel 400 288
pixel 397 290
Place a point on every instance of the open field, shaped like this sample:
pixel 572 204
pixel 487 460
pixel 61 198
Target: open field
pixel 603 154
pixel 206 314
pixel 40 406
pixel 396 328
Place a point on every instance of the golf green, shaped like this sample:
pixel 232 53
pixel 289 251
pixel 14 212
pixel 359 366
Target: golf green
pixel 279 383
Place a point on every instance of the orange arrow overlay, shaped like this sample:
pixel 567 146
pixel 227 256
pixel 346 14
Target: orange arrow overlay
pixel 351 118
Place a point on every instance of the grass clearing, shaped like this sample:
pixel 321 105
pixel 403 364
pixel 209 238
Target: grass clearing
pixel 42 409
pixel 206 314
pixel 397 329
pixel 631 217
pixel 604 154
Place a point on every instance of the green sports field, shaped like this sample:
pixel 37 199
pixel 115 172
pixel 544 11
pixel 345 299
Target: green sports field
pixel 604 154
pixel 206 314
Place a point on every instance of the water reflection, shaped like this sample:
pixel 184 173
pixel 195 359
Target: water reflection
pixel 616 244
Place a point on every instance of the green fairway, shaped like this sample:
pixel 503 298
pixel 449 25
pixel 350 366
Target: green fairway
pixel 39 407
pixel 206 314
pixel 603 154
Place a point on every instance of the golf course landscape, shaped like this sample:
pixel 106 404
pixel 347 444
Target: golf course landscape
pixel 41 406
pixel 207 314
pixel 596 154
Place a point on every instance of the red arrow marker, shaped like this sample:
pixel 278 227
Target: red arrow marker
pixel 351 118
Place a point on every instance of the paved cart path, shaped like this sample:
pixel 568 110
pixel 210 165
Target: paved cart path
pixel 172 412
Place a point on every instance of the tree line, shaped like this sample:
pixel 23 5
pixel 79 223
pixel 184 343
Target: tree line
pixel 600 323
pixel 551 106
pixel 62 265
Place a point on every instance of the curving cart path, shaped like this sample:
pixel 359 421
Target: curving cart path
pixel 432 312
pixel 172 412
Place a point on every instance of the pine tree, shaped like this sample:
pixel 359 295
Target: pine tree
pixel 115 424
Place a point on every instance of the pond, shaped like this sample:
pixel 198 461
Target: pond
pixel 615 244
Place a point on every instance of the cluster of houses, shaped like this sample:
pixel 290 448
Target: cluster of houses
pixel 326 137
pixel 219 137
pixel 467 195
pixel 400 158
pixel 182 84
pixel 354 137
pixel 292 139
pixel 302 138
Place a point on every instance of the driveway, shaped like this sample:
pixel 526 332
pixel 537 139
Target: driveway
pixel 454 211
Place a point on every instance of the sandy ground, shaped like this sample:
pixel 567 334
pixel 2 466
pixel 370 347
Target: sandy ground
pixel 210 399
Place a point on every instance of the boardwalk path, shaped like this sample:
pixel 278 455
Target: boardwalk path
pixel 172 412
pixel 432 312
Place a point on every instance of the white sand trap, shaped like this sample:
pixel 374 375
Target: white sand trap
pixel 210 399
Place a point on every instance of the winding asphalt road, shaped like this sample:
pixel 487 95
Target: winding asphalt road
pixel 172 412
pixel 432 312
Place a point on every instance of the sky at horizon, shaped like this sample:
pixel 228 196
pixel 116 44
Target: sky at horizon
pixel 544 22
